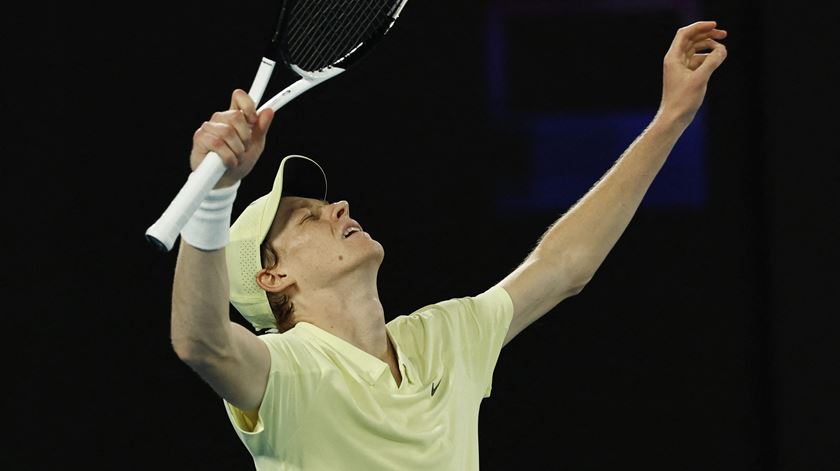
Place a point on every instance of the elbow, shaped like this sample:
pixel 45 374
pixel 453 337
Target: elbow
pixel 197 341
pixel 184 350
pixel 567 276
pixel 198 353
pixel 581 272
pixel 579 283
pixel 571 288
pixel 189 352
pixel 575 289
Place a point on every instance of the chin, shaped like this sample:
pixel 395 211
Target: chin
pixel 370 254
pixel 377 251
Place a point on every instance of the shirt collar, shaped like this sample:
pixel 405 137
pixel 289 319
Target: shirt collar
pixel 366 366
pixel 406 367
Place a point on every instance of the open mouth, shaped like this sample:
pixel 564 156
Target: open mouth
pixel 351 230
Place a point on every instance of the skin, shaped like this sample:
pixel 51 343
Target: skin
pixel 332 280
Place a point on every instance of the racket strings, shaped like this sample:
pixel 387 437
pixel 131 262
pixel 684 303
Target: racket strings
pixel 317 35
pixel 364 30
pixel 303 20
pixel 321 33
pixel 322 49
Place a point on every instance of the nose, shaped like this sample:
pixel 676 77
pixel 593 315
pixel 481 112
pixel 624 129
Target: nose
pixel 340 209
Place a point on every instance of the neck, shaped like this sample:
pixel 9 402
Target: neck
pixel 351 311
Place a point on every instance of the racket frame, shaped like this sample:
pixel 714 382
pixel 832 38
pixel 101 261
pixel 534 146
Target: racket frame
pixel 165 231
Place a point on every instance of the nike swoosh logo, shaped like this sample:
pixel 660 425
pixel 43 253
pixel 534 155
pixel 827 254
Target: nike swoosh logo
pixel 435 386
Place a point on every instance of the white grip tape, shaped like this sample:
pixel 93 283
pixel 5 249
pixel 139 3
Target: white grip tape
pixel 261 80
pixel 166 229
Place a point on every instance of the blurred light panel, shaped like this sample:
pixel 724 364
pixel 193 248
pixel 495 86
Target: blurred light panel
pixel 569 153
pixel 566 76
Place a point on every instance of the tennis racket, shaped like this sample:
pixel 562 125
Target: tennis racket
pixel 317 40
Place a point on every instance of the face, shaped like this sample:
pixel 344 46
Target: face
pixel 319 243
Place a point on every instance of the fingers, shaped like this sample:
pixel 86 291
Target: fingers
pixel 696 61
pixel 713 59
pixel 718 54
pixel 714 33
pixel 694 58
pixel 236 135
pixel 696 29
pixel 693 39
pixel 235 119
pixel 699 31
pixel 703 45
pixel 220 138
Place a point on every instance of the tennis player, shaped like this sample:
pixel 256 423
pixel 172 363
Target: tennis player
pixel 326 383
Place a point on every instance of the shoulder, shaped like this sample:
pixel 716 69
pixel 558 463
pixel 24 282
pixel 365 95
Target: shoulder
pixel 291 351
pixel 493 299
pixel 445 317
pixel 283 340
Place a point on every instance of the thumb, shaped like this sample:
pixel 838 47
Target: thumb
pixel 264 120
pixel 713 61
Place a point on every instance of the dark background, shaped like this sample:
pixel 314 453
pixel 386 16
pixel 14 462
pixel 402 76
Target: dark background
pixel 707 339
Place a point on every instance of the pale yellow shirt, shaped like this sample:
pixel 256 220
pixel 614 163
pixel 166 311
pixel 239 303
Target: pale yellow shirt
pixel 331 406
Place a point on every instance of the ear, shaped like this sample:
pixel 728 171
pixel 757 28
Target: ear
pixel 274 281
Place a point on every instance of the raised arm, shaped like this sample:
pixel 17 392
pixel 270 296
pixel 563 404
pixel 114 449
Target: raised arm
pixel 571 250
pixel 231 359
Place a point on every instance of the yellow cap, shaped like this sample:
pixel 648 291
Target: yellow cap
pixel 303 177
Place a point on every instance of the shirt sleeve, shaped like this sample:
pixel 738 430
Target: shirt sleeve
pixel 484 322
pixel 292 380
pixel 469 330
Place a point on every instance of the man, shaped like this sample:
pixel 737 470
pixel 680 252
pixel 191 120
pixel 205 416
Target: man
pixel 332 386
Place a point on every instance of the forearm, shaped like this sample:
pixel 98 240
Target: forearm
pixel 200 306
pixel 584 236
pixel 571 250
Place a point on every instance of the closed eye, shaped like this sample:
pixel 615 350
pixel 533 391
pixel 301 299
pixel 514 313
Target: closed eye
pixel 309 214
pixel 305 217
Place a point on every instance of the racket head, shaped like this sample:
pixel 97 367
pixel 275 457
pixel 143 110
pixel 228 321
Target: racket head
pixel 314 36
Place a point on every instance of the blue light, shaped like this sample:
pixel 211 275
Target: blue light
pixel 570 153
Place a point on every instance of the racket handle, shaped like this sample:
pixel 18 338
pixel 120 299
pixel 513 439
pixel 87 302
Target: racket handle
pixel 166 229
pixel 261 80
